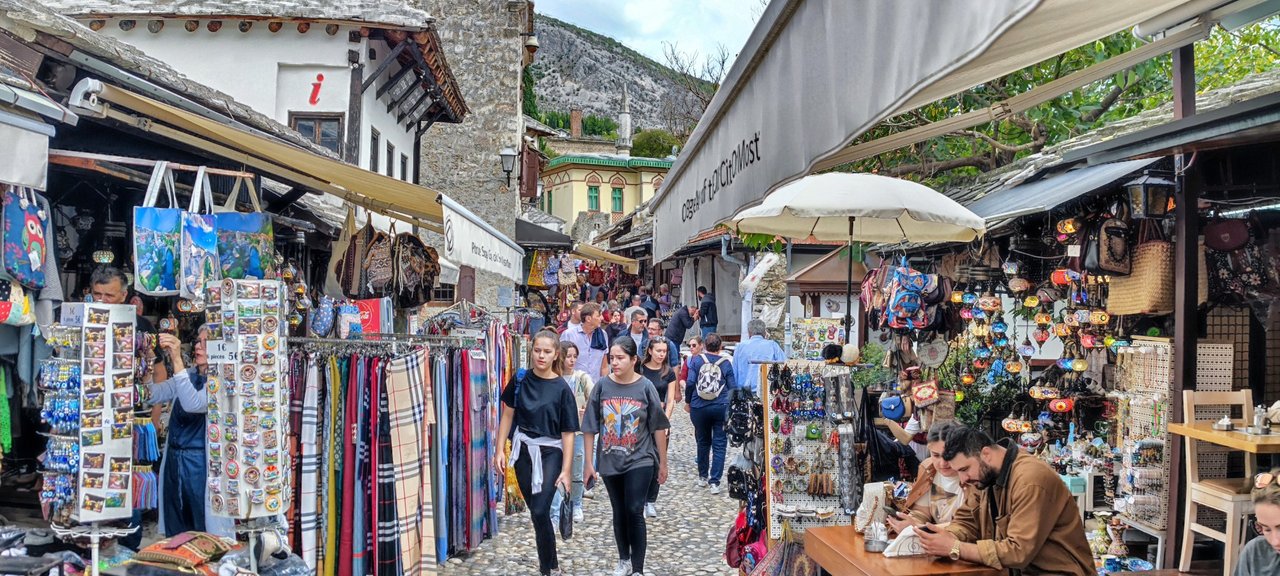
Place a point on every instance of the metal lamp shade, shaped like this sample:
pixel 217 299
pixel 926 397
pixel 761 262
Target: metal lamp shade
pixel 1149 196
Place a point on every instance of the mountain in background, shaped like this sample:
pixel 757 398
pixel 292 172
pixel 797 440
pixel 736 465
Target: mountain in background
pixel 577 68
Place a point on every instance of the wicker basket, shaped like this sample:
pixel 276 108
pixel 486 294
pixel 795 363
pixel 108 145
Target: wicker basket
pixel 1149 289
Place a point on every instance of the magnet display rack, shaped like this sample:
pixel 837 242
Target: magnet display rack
pixel 795 503
pixel 88 402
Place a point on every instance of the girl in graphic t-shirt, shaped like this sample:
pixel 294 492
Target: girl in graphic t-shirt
pixel 624 409
pixel 538 405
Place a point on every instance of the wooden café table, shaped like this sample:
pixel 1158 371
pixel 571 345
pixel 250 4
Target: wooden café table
pixel 839 550
pixel 1237 439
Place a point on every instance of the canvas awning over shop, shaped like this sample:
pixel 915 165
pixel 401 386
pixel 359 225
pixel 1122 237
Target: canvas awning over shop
pixel 598 254
pixel 815 74
pixel 24 157
pixel 382 194
pixel 1048 193
pixel 530 235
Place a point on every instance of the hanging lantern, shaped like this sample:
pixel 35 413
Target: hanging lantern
pixel 982 352
pixel 966 378
pixel 1083 316
pixel 981 363
pixel 979 329
pixel 1079 364
pixel 1013 367
pixel 989 303
pixel 959 395
pixel 1031 301
pixel 104 256
pixel 1061 330
pixel 1010 267
pixel 978 314
pixel 966 313
pixel 1044 318
pixel 1002 341
pixel 969 298
pixel 1064 277
pixel 1011 424
pixel 999 327
pixel 1088 340
pixel 1068 226
pixel 1041 336
pixel 1065 363
pixel 957 297
pixel 1026 349
pixel 1099 318
pixel 1018 284
pixel 1149 196
pixel 1109 341
pixel 1070 319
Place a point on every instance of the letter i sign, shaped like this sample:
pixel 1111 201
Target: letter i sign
pixel 315 89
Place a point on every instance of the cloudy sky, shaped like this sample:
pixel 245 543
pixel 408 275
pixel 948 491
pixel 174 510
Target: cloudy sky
pixel 645 25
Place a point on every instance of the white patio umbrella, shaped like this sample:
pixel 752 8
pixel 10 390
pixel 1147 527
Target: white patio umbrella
pixel 860 208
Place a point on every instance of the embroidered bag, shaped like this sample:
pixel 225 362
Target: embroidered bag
pixel 199 243
pixel 25 248
pixel 379 270
pixel 322 317
pixel 246 240
pixel 157 237
pixel 416 268
pixel 187 552
pixel 351 269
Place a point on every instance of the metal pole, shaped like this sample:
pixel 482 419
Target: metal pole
pixel 848 290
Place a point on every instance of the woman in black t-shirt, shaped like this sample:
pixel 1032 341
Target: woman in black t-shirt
pixel 543 415
pixel 659 373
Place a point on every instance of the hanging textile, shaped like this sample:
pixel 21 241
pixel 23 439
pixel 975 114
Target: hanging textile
pixel 406 414
pixel 309 519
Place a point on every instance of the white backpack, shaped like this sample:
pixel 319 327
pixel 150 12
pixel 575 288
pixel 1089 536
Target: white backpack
pixel 710 379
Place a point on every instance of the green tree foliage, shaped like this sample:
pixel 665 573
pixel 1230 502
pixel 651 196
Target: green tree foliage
pixel 653 143
pixel 592 125
pixel 1223 59
pixel 527 82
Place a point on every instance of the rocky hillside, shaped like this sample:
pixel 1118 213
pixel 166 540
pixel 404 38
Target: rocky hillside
pixel 577 68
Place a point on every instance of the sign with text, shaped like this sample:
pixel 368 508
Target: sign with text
pixel 468 241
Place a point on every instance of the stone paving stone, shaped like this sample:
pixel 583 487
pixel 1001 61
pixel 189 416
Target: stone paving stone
pixel 686 539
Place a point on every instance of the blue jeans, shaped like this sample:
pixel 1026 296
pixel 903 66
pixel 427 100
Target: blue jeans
pixel 707 329
pixel 576 474
pixel 708 432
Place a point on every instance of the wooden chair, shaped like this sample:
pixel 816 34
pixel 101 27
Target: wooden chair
pixel 1228 495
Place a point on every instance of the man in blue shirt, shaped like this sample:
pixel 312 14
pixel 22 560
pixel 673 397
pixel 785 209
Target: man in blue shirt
pixel 759 349
pixel 709 414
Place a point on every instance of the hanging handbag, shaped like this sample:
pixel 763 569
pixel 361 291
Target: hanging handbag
pixel 1226 234
pixel 15 305
pixel 416 268
pixel 199 243
pixel 566 514
pixel 25 247
pixel 332 283
pixel 1107 248
pixel 379 269
pixel 246 240
pixel 925 393
pixel 1149 288
pixel 351 269
pixel 157 237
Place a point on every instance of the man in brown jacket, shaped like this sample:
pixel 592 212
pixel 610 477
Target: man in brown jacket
pixel 1021 518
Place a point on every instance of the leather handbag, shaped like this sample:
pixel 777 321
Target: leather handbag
pixel 1107 250
pixel 1226 234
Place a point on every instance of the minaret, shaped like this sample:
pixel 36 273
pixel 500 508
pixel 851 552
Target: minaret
pixel 623 145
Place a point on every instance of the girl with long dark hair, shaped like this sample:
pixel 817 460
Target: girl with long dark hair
pixel 540 408
pixel 625 410
pixel 657 369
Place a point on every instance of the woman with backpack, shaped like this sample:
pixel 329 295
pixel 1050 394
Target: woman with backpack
pixel 657 370
pixel 624 409
pixel 580 383
pixel 540 409
pixel 710 383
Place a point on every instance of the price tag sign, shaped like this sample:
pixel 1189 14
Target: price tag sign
pixel 221 351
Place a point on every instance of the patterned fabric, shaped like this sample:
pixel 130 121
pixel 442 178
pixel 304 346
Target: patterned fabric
pixel 406 380
pixel 389 535
pixel 360 557
pixel 297 389
pixel 310 464
pixel 331 476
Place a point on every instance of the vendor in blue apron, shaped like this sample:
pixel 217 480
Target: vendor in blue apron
pixel 184 504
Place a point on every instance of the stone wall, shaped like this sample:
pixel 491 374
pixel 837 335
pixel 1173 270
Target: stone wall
pixel 566 146
pixel 482 42
pixel 588 222
pixel 772 291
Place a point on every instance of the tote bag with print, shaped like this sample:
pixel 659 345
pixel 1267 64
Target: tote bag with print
pixel 246 240
pixel 23 239
pixel 157 237
pixel 199 265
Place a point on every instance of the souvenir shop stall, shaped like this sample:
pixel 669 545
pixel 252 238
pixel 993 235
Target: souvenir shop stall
pixel 557 278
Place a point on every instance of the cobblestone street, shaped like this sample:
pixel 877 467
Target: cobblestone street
pixel 686 539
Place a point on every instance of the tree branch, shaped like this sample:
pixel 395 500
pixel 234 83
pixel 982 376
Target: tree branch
pixel 1107 102
pixel 980 162
pixel 998 145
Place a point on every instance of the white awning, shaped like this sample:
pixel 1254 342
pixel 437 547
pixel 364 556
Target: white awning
pixel 816 74
pixel 470 241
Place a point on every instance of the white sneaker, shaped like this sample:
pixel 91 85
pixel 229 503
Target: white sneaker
pixel 701 482
pixel 650 511
pixel 623 569
pixel 577 514
pixel 715 488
